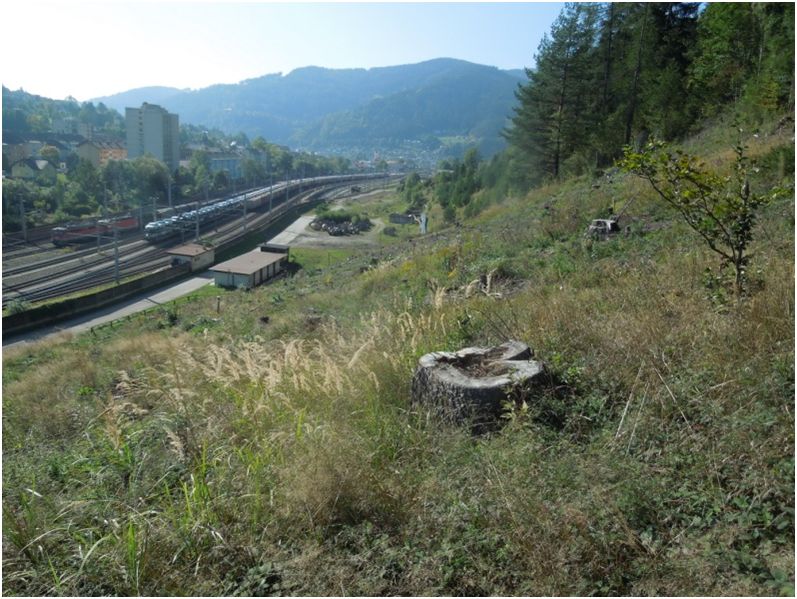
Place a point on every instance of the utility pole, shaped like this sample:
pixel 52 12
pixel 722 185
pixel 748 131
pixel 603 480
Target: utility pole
pixel 115 254
pixel 270 189
pixel 244 213
pixel 22 215
pixel 169 194
pixel 287 189
pixel 104 211
pixel 268 170
pixel 196 221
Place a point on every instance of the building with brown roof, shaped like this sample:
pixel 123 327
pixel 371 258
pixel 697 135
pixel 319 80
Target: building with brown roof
pixel 198 256
pixel 32 168
pixel 100 152
pixel 249 270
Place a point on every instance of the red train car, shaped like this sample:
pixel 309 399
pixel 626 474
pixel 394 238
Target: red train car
pixel 123 224
pixel 76 233
pixel 86 231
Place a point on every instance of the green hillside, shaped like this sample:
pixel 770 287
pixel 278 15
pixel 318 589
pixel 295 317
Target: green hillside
pixel 196 450
pixel 469 102
pixel 259 443
pixel 354 110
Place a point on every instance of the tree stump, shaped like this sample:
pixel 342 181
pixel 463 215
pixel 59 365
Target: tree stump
pixel 473 384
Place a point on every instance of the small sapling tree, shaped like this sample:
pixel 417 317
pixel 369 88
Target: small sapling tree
pixel 721 209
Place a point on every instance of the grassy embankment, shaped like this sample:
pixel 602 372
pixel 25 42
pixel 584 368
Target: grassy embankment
pixel 204 452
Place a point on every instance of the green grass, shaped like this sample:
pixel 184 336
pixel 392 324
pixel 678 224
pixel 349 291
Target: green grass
pixel 311 259
pixel 204 452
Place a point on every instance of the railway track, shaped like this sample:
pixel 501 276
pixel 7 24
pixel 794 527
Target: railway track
pixel 53 277
pixel 34 235
pixel 23 250
pixel 106 275
pixel 64 258
pixel 87 277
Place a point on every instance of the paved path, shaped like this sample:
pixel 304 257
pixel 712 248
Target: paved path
pixel 293 231
pixel 300 235
pixel 137 303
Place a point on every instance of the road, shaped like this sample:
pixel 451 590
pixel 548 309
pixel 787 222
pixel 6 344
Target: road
pixel 137 303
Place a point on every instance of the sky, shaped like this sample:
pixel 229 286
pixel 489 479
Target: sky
pixel 61 48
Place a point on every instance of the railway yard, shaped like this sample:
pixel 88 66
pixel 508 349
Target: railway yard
pixel 38 271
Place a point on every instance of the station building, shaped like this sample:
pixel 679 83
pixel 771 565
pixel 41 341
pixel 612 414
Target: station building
pixel 198 256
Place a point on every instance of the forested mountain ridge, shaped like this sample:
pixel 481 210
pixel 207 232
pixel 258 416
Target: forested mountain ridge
pixel 321 109
pixel 469 102
pixel 28 113
pixel 154 94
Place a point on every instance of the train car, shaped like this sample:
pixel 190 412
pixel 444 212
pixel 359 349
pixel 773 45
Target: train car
pixel 255 198
pixel 123 224
pixel 80 232
pixel 158 230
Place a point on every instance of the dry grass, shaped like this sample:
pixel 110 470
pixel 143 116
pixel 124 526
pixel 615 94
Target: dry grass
pixel 288 459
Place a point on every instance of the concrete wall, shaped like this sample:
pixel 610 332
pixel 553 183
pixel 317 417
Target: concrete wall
pixel 203 261
pixel 234 281
pixel 52 313
pixel 89 152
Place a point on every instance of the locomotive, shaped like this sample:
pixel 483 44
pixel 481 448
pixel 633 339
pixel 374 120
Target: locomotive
pixel 84 231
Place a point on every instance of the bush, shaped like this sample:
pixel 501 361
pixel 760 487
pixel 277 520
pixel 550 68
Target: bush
pixel 16 306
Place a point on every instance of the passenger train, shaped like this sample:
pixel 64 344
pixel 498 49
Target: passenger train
pixel 167 227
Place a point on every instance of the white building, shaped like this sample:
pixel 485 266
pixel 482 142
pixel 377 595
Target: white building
pixel 153 130
pixel 250 269
pixel 198 256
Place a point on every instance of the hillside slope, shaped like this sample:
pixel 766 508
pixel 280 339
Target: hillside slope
pixel 472 103
pixel 135 97
pixel 327 108
pixel 203 449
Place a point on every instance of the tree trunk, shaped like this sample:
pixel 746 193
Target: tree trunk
pixel 607 63
pixel 629 121
pixel 559 120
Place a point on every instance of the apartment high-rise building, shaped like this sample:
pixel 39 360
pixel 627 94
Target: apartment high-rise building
pixel 153 130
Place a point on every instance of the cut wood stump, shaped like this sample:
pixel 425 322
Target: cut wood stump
pixel 474 384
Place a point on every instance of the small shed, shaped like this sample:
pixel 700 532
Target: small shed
pixel 250 269
pixel 198 256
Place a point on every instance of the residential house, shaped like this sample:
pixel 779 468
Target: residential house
pixel 32 168
pixel 71 126
pixel 100 152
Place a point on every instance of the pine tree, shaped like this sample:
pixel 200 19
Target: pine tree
pixel 555 105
